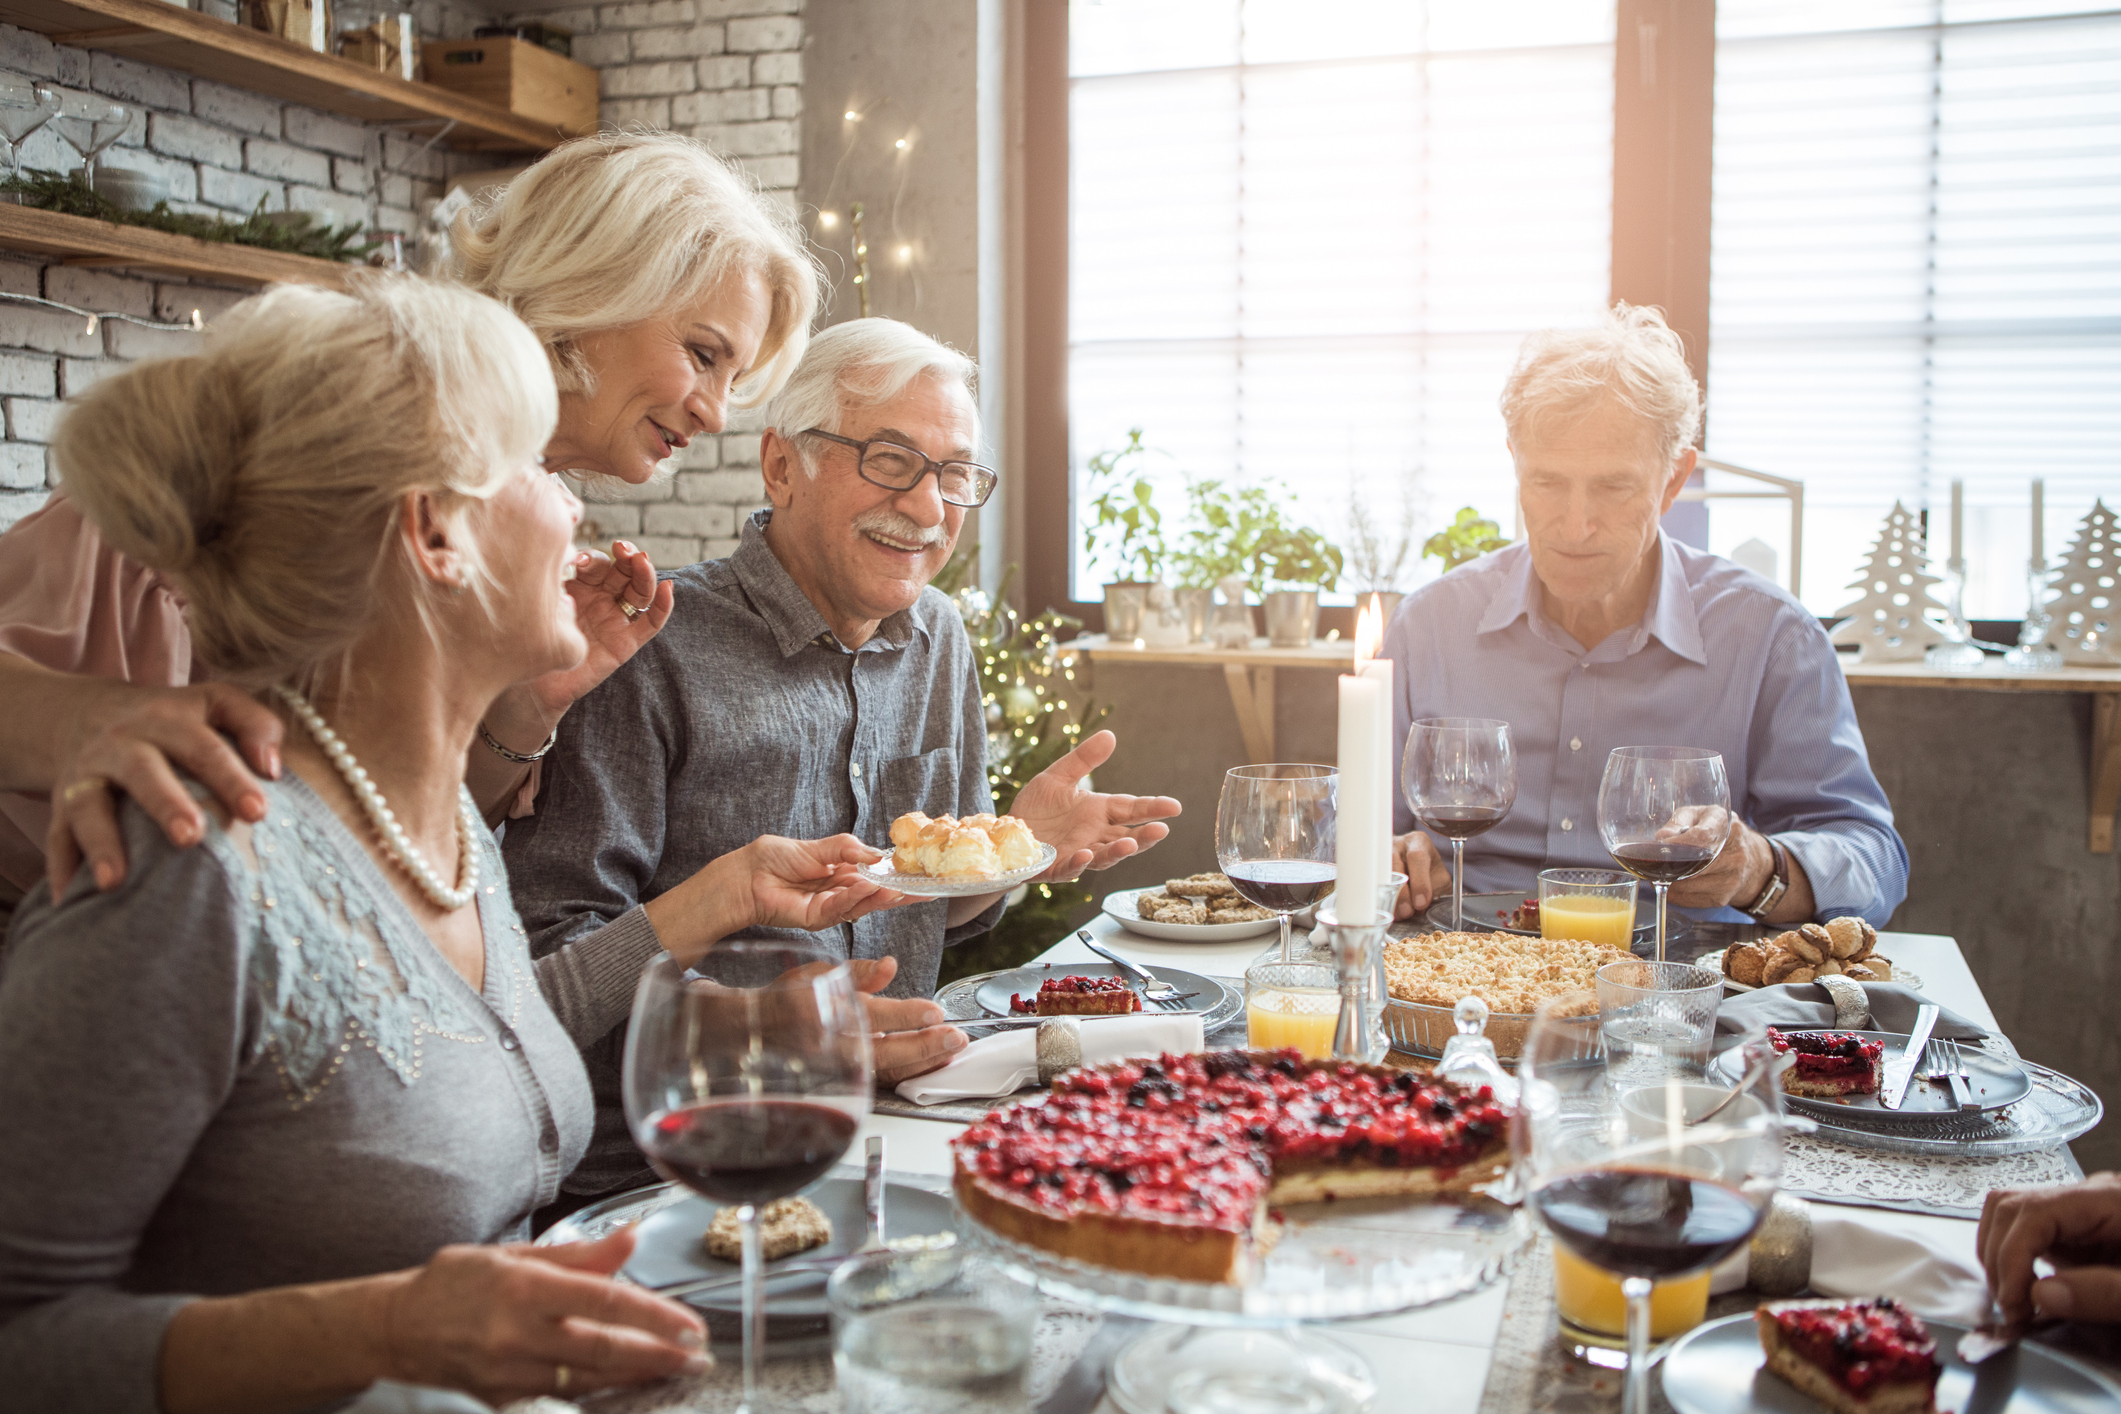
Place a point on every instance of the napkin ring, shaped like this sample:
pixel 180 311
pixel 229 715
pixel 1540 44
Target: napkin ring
pixel 1852 1009
pixel 1060 1047
pixel 1779 1258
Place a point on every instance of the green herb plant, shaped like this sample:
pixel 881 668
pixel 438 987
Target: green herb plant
pixel 69 194
pixel 1124 521
pixel 1464 540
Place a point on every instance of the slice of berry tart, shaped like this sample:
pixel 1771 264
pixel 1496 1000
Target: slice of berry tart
pixel 1830 1064
pixel 1858 1357
pixel 1077 996
pixel 1169 1167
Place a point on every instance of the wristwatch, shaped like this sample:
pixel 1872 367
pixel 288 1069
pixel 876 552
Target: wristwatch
pixel 1778 884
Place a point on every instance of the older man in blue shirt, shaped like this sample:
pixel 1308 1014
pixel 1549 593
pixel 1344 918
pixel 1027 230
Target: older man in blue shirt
pixel 1601 631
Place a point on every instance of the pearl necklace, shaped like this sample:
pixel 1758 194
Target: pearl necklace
pixel 396 843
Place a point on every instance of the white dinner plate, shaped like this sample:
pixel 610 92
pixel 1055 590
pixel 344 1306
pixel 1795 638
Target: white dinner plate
pixel 1120 908
pixel 928 886
pixel 994 992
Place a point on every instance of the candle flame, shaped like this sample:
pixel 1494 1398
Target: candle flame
pixel 1369 632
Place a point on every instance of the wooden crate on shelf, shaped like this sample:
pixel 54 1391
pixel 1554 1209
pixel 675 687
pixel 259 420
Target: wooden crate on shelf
pixel 526 79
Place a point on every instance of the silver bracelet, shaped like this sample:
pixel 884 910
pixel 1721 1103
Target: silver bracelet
pixel 516 756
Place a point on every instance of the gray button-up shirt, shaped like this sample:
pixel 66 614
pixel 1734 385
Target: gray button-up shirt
pixel 744 717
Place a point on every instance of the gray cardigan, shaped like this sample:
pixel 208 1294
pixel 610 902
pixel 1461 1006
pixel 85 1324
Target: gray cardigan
pixel 247 1067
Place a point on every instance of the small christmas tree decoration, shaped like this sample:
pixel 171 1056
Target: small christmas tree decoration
pixel 1894 619
pixel 2084 618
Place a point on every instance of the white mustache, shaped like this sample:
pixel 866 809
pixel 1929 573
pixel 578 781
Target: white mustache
pixel 894 525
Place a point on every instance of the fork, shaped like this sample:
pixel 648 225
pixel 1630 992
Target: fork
pixel 1162 993
pixel 1962 1090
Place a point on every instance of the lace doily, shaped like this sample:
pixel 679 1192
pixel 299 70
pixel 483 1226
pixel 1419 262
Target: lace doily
pixel 1814 1166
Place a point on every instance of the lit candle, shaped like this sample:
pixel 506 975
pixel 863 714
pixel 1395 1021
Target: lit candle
pixel 1362 701
pixel 2039 514
pixel 1958 514
pixel 1369 639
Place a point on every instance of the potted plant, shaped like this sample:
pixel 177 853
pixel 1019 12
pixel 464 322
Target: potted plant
pixel 1464 540
pixel 1126 529
pixel 1290 565
pixel 1379 555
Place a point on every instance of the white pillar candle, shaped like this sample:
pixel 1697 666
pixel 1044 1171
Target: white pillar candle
pixel 1362 700
pixel 1958 515
pixel 1369 643
pixel 2039 515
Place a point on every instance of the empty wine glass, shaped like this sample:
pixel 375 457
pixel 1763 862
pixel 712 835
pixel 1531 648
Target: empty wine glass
pixel 89 125
pixel 1460 774
pixel 1665 813
pixel 24 108
pixel 746 1081
pixel 1274 836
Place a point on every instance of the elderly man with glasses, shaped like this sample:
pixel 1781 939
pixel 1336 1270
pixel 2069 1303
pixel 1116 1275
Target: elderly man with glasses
pixel 809 684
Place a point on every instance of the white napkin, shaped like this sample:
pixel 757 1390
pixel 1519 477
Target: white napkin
pixel 1930 1263
pixel 1006 1062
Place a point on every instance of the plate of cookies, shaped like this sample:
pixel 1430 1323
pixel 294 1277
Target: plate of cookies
pixel 1203 908
pixel 946 857
pixel 1845 947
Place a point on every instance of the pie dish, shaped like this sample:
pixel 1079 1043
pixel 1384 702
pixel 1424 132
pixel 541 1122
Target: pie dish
pixel 1427 974
pixel 1855 1357
pixel 1171 1167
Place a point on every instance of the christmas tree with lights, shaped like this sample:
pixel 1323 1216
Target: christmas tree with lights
pixel 1894 618
pixel 2085 617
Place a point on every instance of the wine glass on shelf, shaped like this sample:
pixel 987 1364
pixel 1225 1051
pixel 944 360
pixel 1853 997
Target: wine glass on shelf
pixel 746 1080
pixel 90 124
pixel 1460 775
pixel 1641 1181
pixel 24 108
pixel 1274 836
pixel 1665 813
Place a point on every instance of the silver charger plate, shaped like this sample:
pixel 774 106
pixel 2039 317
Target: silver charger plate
pixel 1488 913
pixel 1713 961
pixel 1996 1081
pixel 1120 908
pixel 960 1002
pixel 992 993
pixel 928 886
pixel 2058 1110
pixel 1718 1368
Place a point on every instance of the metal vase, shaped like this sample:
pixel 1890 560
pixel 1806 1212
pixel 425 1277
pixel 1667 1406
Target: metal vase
pixel 1196 605
pixel 1124 604
pixel 1292 617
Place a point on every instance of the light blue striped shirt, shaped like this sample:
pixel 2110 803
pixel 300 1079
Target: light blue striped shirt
pixel 1721 659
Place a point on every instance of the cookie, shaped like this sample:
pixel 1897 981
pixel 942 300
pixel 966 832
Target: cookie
pixel 1746 963
pixel 1172 910
pixel 1201 886
pixel 1852 938
pixel 786 1226
pixel 1236 910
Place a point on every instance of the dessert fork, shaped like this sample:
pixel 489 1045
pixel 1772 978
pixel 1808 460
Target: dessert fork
pixel 1162 993
pixel 1962 1089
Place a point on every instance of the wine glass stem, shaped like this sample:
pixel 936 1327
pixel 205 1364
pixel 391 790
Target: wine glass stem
pixel 1458 886
pixel 1660 888
pixel 747 1218
pixel 1636 1400
pixel 1285 935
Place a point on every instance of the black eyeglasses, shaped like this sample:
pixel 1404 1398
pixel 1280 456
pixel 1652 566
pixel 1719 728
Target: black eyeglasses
pixel 898 468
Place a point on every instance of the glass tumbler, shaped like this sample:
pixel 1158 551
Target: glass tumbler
pixel 1659 1018
pixel 1292 1004
pixel 942 1332
pixel 1588 905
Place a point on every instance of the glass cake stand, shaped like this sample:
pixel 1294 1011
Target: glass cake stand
pixel 1222 1349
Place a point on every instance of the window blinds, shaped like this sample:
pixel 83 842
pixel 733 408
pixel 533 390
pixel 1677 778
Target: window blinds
pixel 1916 273
pixel 1308 235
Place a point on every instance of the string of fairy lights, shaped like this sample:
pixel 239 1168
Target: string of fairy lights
pixel 96 317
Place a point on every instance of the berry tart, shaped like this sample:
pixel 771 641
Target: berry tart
pixel 1857 1357
pixel 1077 996
pixel 1169 1167
pixel 1830 1064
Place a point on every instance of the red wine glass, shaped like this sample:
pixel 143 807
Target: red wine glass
pixel 746 1080
pixel 1274 836
pixel 1665 813
pixel 1646 1180
pixel 1460 774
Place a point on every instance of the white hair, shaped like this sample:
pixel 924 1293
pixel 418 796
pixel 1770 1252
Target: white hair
pixel 866 362
pixel 1632 359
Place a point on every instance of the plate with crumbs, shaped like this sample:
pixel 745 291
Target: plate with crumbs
pixel 1995 1080
pixel 1120 907
pixel 886 872
pixel 994 991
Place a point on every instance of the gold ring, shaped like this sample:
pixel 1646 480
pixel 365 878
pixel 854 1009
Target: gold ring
pixel 629 611
pixel 86 783
pixel 561 1378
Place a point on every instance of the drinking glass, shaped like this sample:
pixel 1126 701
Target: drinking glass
pixel 1292 1004
pixel 1274 836
pixel 1665 813
pixel 745 1081
pixel 1644 1203
pixel 89 125
pixel 944 1332
pixel 1588 905
pixel 24 108
pixel 1460 775
pixel 1660 1017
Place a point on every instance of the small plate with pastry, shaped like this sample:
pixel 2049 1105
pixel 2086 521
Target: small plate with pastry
pixel 1844 947
pixel 1204 908
pixel 946 857
pixel 1087 989
pixel 1864 1357
pixel 1836 1074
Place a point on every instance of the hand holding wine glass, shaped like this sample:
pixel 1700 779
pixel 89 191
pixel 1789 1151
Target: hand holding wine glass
pixel 1460 775
pixel 1274 836
pixel 1665 813
pixel 746 1081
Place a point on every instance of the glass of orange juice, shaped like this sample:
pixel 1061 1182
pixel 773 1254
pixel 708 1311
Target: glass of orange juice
pixel 1589 905
pixel 1292 1004
pixel 1593 1313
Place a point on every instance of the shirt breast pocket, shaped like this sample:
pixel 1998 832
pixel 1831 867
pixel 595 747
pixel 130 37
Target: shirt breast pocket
pixel 927 783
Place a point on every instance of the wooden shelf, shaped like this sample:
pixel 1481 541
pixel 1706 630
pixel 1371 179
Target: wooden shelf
pixel 155 32
pixel 1990 677
pixel 1248 673
pixel 78 240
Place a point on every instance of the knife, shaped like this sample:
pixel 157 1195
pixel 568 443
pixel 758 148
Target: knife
pixel 873 1196
pixel 1899 1073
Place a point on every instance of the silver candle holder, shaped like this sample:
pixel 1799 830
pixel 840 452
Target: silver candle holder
pixel 1357 950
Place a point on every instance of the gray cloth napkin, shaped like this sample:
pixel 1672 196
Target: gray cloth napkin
pixel 1808 1006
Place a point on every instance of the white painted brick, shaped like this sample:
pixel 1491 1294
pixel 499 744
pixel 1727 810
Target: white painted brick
pixel 629 112
pixel 750 139
pixel 234 108
pixel 16 504
pixel 28 375
pixel 782 200
pixel 287 164
pixel 47 331
pixel 718 549
pixel 335 208
pixel 773 173
pixel 25 52
pixel 577 22
pixel 176 302
pixel 777 69
pixel 701 454
pixel 731 9
pixel 647 16
pixel 397 218
pixel 32 419
pixel 741 420
pixel 139 83
pixel 646 80
pixel 602 524
pixel 78 375
pixel 740 449
pixel 237 192
pixel 19 277
pixel 787 101
pixel 181 178
pixel 225 11
pixel 616 492
pixel 194 141
pixel 416 158
pixel 396 191
pixel 725 71
pixel 738 105
pixel 348 175
pixel 668 553
pixel 726 488
pixel 701 520
pixel 309 128
pixel 766 35
pixel 677 42
pixel 99 290
pixel 601 51
pixel 131 341
pixel 21 465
